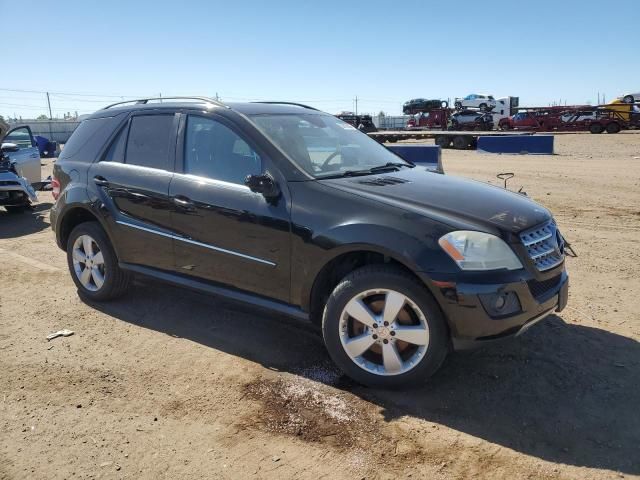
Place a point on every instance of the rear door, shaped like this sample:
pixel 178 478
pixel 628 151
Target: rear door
pixel 225 232
pixel 132 182
pixel 27 159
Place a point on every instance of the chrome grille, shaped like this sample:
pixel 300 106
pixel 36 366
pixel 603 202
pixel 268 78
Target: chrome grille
pixel 544 245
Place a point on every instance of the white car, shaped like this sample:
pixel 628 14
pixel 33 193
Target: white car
pixel 476 100
pixel 630 98
pixel 579 116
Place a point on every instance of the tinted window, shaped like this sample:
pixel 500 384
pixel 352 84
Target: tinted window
pixel 116 150
pixel 88 138
pixel 215 151
pixel 149 141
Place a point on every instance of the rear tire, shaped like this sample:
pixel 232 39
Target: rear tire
pixel 460 142
pixel 596 128
pixel 613 128
pixel 380 358
pixel 93 264
pixel 444 141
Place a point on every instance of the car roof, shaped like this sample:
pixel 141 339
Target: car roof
pixel 201 103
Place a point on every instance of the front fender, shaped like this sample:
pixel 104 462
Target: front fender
pixel 417 252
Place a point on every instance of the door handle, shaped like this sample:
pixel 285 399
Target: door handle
pixel 100 181
pixel 182 201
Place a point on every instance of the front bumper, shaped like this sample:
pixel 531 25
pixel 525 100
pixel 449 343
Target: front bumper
pixel 15 190
pixel 473 322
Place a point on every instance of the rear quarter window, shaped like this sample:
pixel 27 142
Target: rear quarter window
pixel 89 138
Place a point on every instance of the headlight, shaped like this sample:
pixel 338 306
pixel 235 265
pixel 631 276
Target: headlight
pixel 479 251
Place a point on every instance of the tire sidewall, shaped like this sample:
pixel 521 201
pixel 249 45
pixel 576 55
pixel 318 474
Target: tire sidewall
pixel 351 286
pixel 95 231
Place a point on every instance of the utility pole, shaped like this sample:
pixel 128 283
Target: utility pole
pixel 356 105
pixel 49 103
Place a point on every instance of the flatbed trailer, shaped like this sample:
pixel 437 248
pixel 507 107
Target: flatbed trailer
pixel 460 140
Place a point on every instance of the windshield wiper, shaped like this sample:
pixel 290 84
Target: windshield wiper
pixel 391 166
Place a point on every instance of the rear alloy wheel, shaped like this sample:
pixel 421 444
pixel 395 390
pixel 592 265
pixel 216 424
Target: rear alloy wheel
pixel 383 329
pixel 93 263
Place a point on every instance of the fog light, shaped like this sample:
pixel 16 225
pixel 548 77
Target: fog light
pixel 500 304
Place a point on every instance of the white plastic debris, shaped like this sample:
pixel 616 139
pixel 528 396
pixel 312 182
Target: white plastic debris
pixel 59 333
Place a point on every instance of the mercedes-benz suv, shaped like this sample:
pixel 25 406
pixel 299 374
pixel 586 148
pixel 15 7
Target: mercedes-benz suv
pixel 290 209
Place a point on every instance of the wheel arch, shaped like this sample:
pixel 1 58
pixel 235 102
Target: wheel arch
pixel 73 216
pixel 343 261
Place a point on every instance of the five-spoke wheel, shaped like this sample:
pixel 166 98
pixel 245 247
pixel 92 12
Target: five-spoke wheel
pixel 383 328
pixel 384 332
pixel 88 263
pixel 93 263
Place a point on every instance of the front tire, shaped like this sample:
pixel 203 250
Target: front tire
pixel 383 329
pixel 628 99
pixel 93 264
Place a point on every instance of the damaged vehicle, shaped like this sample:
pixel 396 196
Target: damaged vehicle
pixel 290 209
pixel 19 169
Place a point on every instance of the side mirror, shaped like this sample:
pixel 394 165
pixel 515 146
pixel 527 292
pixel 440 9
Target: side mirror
pixel 264 184
pixel 9 147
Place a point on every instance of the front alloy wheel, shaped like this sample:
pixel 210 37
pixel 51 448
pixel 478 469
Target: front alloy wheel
pixel 383 328
pixel 384 332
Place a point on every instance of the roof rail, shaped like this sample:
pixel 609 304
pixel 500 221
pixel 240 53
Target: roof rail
pixel 289 103
pixel 144 101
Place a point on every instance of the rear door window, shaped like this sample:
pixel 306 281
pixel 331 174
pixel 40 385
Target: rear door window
pixel 149 141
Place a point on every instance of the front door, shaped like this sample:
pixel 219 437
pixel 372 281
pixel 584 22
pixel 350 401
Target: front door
pixel 132 183
pixel 27 158
pixel 224 232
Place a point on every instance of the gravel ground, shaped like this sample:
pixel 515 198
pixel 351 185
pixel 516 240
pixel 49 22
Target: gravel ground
pixel 167 383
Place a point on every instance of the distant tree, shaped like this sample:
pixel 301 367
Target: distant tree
pixel 42 117
pixel 381 113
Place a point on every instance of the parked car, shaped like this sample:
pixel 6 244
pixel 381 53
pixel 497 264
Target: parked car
pixel 437 118
pixel 364 123
pixel 475 100
pixel 418 105
pixel 290 209
pixel 471 120
pixel 630 98
pixel 19 169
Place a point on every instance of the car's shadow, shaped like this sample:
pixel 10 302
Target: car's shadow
pixel 563 393
pixel 32 220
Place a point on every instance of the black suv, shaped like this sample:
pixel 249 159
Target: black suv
pixel 288 208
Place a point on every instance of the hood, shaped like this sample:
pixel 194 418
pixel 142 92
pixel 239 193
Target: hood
pixel 452 200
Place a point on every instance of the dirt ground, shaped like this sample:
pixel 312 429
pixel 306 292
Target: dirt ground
pixel 167 383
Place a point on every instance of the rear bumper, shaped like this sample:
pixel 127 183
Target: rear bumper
pixel 473 322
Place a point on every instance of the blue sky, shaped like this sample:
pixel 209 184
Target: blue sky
pixel 320 52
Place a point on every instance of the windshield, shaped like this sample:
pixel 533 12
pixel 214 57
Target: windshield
pixel 324 145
